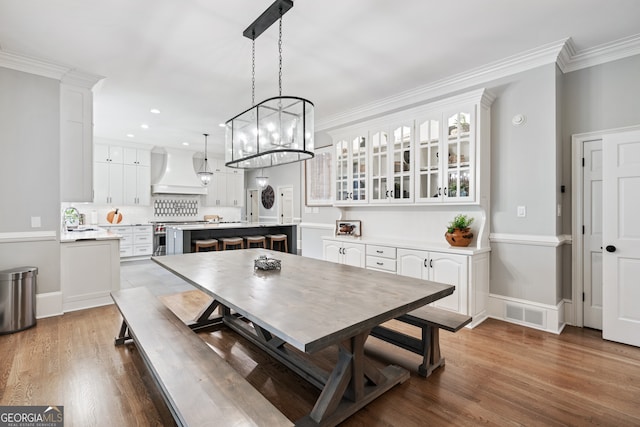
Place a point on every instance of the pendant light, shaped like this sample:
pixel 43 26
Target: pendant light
pixel 262 181
pixel 278 130
pixel 205 173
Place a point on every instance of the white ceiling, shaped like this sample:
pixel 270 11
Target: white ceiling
pixel 189 59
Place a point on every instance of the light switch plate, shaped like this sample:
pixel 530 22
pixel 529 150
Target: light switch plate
pixel 36 222
pixel 522 211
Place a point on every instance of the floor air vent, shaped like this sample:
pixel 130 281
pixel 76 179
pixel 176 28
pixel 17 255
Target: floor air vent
pixel 523 314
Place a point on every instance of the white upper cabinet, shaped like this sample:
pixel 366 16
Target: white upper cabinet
pixel 136 156
pixel 351 151
pixel 108 153
pixel 438 153
pixel 391 172
pixel 122 175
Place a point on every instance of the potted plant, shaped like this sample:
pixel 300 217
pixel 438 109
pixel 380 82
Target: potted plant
pixel 458 231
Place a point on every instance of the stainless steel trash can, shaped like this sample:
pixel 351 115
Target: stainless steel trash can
pixel 17 299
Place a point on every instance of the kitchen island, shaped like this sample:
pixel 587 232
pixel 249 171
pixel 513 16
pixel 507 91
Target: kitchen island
pixel 179 238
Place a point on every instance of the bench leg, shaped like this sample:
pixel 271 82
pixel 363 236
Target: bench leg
pixel 123 336
pixel 432 359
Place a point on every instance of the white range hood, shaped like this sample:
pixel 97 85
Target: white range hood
pixel 179 176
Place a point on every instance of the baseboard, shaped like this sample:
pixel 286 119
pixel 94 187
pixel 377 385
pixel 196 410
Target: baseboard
pixel 82 302
pixel 48 305
pixel 550 318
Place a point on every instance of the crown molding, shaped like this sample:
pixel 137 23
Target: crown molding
pixel 48 69
pixel 571 60
pixel 562 52
pixel 524 61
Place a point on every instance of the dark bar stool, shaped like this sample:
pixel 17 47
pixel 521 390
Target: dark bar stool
pixel 205 243
pixel 256 240
pixel 232 241
pixel 280 238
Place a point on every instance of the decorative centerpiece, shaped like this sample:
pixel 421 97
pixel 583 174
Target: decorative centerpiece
pixel 265 263
pixel 458 231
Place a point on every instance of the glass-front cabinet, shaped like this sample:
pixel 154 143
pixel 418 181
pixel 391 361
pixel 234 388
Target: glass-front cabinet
pixel 351 169
pixel 432 154
pixel 445 170
pixel 391 177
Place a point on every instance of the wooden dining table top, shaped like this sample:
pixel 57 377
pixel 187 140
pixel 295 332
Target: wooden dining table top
pixel 309 303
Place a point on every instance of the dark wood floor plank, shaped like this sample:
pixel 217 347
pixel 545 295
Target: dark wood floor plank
pixel 496 374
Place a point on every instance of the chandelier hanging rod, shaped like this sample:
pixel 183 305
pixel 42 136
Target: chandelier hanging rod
pixel 268 17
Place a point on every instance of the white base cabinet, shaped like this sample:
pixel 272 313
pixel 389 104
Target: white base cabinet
pixel 468 272
pixel 89 271
pixel 344 253
pixel 135 240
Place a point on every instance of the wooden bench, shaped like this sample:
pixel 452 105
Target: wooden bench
pixel 199 387
pixel 430 320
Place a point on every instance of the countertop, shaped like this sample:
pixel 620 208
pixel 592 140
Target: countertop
pixel 91 233
pixel 214 226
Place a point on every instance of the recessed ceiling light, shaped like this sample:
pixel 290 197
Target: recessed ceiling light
pixel 222 125
pixel 144 126
pixel 185 143
pixel 155 111
pixel 130 135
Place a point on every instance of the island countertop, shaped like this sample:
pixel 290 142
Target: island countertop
pixel 87 234
pixel 218 225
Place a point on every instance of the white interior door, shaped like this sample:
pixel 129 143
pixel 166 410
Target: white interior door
pixel 253 209
pixel 285 205
pixel 621 238
pixel 592 237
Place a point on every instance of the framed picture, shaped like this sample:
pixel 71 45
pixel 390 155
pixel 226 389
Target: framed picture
pixel 318 173
pixel 348 228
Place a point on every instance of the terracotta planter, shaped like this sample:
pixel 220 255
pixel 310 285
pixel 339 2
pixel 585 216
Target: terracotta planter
pixel 459 237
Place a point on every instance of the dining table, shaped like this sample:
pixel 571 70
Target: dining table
pixel 302 306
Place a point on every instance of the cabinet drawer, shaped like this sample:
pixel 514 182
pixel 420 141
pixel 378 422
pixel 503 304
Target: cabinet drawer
pixel 126 251
pixel 142 229
pixel 141 239
pixel 381 251
pixel 120 230
pixel 381 263
pixel 126 239
pixel 142 250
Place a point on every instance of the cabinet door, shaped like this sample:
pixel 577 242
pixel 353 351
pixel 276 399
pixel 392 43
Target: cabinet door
pixel 332 251
pixel 354 254
pixel 428 165
pixel 358 171
pixel 143 157
pixel 460 149
pixel 450 269
pixel 116 188
pixel 100 153
pixel 116 154
pixel 401 175
pixel 101 183
pixel 143 184
pixel 130 184
pixel 342 171
pixel 220 184
pixel 413 263
pixel 235 188
pixel 379 169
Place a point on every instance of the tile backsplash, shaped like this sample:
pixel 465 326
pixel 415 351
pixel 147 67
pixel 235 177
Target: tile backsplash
pixel 175 207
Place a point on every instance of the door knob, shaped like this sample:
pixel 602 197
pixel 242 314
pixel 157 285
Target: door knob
pixel 611 248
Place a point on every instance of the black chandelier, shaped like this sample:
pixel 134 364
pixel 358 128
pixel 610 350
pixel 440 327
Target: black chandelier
pixel 278 130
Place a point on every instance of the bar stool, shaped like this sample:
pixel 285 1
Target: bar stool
pixel 232 241
pixel 205 243
pixel 278 238
pixel 255 240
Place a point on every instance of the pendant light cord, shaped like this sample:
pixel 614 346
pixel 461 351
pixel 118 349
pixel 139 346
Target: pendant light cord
pixel 205 148
pixel 280 54
pixel 253 73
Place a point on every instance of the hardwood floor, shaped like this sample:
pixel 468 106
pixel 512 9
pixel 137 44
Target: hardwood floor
pixel 496 374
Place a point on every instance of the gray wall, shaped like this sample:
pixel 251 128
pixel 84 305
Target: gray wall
pixel 286 175
pixel 30 171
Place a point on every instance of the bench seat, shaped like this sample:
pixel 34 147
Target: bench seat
pixel 199 387
pixel 430 320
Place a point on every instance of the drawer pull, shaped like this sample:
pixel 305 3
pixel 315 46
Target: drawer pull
pixel 380 252
pixel 380 263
